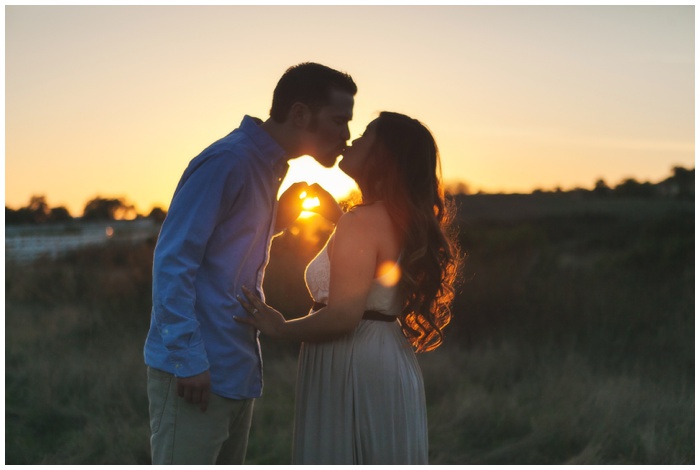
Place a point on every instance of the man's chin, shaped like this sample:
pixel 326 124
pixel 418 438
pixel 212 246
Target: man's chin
pixel 328 161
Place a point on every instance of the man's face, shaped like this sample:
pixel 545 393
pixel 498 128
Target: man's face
pixel 327 134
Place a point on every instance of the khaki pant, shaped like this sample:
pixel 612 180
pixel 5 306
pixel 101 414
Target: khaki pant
pixel 182 434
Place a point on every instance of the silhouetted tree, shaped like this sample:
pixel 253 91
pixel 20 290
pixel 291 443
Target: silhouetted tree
pixel 601 188
pixel 683 175
pixel 685 181
pixel 39 209
pixel 36 212
pixel 633 188
pixel 59 214
pixel 459 187
pixel 16 217
pixel 157 214
pixel 106 209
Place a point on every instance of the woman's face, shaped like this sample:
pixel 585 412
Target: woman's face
pixel 355 156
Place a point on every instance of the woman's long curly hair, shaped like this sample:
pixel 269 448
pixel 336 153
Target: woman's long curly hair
pixel 403 170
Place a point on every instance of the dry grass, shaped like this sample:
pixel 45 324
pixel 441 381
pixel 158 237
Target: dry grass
pixel 589 360
pixel 75 399
pixel 506 406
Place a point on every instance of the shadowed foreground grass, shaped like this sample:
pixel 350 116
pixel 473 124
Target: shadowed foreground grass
pixel 573 342
pixel 77 396
pixel 509 407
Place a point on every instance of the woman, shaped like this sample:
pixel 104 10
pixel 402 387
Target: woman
pixel 360 395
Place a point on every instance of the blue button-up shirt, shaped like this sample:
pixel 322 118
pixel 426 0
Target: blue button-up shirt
pixel 214 240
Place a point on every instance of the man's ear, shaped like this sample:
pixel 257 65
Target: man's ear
pixel 300 115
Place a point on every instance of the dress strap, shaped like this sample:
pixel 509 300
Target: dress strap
pixel 368 315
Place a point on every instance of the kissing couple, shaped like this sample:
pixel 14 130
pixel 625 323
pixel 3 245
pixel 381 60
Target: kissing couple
pixel 382 285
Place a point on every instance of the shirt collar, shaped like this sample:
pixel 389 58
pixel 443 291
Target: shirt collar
pixel 270 150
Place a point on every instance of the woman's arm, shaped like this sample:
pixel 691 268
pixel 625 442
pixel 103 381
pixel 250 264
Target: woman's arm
pixel 353 264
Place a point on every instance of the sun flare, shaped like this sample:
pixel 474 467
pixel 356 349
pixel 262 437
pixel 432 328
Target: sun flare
pixel 388 274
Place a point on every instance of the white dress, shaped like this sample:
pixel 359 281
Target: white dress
pixel 359 399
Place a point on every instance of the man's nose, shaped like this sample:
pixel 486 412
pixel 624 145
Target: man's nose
pixel 346 133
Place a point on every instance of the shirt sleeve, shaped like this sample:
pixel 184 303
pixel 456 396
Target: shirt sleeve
pixel 205 193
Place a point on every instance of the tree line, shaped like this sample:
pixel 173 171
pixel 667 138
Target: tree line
pixel 680 185
pixel 99 208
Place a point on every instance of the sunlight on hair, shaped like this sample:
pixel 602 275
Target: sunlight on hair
pixel 388 274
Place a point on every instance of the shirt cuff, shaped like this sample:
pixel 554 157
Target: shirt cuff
pixel 189 362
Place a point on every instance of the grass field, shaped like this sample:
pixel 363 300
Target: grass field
pixel 573 342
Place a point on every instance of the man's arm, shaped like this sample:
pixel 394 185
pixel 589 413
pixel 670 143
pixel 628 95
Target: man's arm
pixel 201 199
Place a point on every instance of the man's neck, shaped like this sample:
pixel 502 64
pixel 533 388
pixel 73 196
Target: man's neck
pixel 283 136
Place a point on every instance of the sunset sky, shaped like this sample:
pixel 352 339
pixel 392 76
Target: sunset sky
pixel 116 100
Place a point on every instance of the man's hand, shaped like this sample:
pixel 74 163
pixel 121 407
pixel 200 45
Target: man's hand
pixel 290 205
pixel 195 389
pixel 328 207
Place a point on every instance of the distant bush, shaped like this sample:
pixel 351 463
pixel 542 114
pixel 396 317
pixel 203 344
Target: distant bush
pixel 114 279
pixel 619 287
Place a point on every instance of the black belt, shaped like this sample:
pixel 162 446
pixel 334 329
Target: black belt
pixel 368 315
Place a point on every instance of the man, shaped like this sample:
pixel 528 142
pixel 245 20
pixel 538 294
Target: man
pixel 204 368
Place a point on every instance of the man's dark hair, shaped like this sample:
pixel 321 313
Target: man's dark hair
pixel 308 83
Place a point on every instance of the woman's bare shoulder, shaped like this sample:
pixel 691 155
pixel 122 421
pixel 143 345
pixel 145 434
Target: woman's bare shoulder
pixel 368 223
pixel 369 215
pixel 371 227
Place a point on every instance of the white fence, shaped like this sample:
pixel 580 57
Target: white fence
pixel 26 243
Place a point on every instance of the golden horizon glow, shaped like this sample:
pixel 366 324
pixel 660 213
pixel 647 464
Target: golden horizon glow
pixel 333 180
pixel 114 101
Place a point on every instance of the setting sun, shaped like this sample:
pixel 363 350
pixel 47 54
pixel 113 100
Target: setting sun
pixel 310 202
pixel 518 98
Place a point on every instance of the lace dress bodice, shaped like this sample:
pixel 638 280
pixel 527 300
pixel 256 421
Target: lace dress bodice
pixel 382 298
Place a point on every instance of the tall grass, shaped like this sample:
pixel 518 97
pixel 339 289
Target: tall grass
pixel 573 342
pixel 74 380
pixel 508 406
